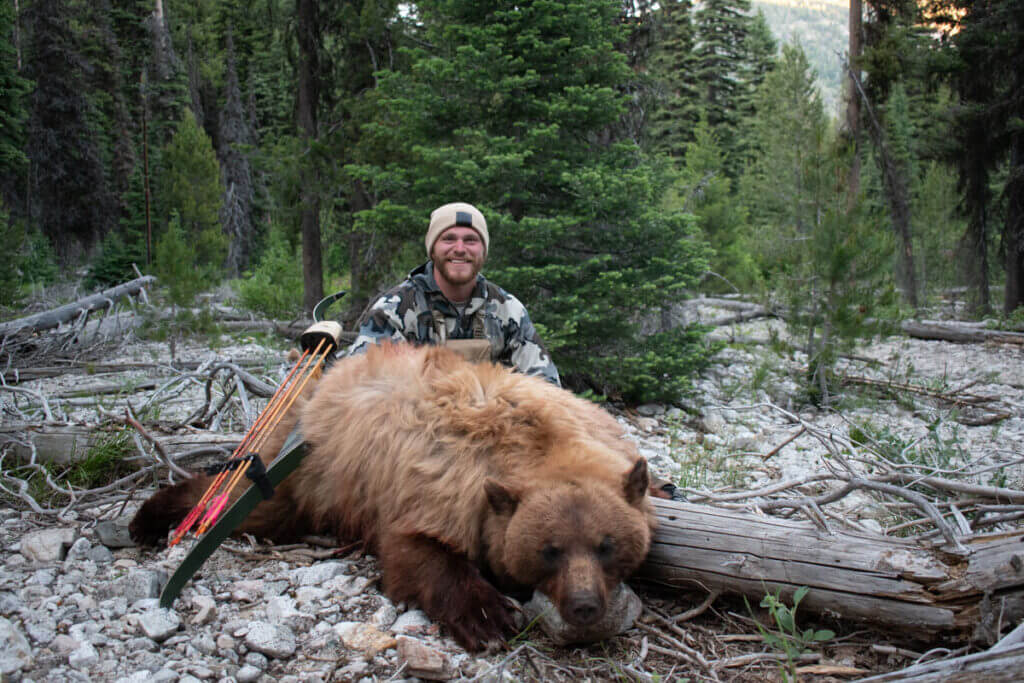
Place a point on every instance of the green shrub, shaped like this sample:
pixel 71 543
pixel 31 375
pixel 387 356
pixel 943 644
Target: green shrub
pixel 113 264
pixel 178 265
pixel 275 287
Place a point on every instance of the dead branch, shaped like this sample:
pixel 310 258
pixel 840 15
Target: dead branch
pixel 960 398
pixel 994 665
pixel 157 446
pixel 77 367
pixel 961 333
pixel 78 309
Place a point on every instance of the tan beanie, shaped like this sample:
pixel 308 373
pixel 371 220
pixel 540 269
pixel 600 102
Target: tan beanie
pixel 457 213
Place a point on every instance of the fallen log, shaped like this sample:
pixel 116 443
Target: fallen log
pixel 961 333
pixel 993 666
pixel 62 444
pixel 68 312
pixel 886 582
pixel 16 375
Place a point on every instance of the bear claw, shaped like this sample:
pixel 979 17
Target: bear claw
pixel 486 621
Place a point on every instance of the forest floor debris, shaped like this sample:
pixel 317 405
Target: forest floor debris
pixel 913 410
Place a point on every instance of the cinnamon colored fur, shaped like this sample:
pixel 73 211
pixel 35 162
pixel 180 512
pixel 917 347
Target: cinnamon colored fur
pixel 456 475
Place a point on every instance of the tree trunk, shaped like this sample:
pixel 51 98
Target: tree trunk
pixel 360 261
pixel 853 103
pixel 961 333
pixel 63 444
pixel 897 193
pixel 883 581
pixel 309 102
pixel 1013 231
pixel 68 312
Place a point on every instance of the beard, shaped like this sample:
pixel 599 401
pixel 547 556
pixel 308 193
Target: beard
pixel 459 273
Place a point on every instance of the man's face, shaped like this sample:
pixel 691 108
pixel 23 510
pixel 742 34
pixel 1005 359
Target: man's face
pixel 458 255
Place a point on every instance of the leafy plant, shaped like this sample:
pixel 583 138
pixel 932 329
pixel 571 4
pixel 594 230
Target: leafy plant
pixel 787 638
pixel 274 288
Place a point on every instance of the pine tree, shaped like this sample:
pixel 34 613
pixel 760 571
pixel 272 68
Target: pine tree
pixel 761 53
pixel 784 186
pixel 820 254
pixel 722 219
pixel 13 112
pixel 673 65
pixel 722 28
pixel 164 83
pixel 192 191
pixel 107 92
pixel 990 46
pixel 235 137
pixel 510 110
pixel 71 198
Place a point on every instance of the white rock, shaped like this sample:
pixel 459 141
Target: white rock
pixel 137 584
pixel 307 595
pixel 64 644
pixel 159 624
pixel 279 607
pixel 84 657
pixel 319 573
pixel 248 674
pixel 651 409
pixel 713 423
pixel 412 622
pixel 385 616
pixel 78 551
pixel 47 545
pixel 15 653
pixel 207 607
pixel 272 640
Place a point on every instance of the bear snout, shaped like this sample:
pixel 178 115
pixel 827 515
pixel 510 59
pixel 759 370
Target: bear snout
pixel 583 608
pixel 579 589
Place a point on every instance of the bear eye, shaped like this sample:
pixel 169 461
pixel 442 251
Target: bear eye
pixel 551 553
pixel 606 547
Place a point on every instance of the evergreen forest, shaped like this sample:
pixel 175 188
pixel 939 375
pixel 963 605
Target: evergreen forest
pixel 627 156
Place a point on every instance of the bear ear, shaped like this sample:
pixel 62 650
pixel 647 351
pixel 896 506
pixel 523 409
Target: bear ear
pixel 636 482
pixel 502 499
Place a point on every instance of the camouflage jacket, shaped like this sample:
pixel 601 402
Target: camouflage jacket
pixel 414 310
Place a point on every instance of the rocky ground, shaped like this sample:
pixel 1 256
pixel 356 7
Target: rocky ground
pixel 77 605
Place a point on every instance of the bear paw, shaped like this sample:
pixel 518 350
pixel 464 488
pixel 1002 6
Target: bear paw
pixel 479 617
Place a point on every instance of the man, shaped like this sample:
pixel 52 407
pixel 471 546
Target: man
pixel 447 302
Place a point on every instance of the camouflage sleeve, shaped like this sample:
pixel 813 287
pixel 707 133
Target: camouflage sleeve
pixel 528 354
pixel 382 322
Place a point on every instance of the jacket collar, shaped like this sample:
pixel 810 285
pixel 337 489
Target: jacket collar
pixel 424 275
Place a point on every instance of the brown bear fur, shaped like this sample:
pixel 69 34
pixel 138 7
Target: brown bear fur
pixel 456 474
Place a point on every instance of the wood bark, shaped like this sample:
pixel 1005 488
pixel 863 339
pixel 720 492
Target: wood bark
pixel 68 312
pixel 62 444
pixel 992 666
pixel 959 332
pixel 1013 228
pixel 308 102
pixel 17 375
pixel 853 102
pixel 886 582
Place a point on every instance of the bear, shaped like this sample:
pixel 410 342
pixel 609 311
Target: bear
pixel 467 481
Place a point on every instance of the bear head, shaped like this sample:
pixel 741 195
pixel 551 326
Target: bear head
pixel 572 539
